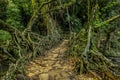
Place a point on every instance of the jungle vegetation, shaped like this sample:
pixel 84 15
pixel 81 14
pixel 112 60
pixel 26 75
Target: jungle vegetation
pixel 29 27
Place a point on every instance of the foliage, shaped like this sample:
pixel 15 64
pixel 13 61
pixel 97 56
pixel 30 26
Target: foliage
pixel 25 8
pixel 4 36
pixel 13 15
pixel 30 27
pixel 89 51
pixel 3 8
pixel 114 45
pixel 75 23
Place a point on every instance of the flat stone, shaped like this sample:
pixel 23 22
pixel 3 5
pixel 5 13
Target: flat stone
pixel 57 65
pixel 55 55
pixel 44 76
pixel 65 74
pixel 64 78
pixel 52 59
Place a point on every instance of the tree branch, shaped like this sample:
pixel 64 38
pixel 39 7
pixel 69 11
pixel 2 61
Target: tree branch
pixel 37 13
pixel 108 21
pixel 35 16
pixel 113 18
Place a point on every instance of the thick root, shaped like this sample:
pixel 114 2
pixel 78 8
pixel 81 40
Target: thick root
pixel 97 65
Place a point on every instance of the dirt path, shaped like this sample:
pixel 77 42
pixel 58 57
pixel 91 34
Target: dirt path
pixel 53 66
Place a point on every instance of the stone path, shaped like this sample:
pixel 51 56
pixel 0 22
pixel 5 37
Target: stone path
pixel 54 66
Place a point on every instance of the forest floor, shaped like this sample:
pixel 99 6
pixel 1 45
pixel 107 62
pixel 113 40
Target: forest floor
pixel 54 66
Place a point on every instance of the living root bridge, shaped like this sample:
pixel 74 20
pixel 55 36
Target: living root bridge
pixel 17 36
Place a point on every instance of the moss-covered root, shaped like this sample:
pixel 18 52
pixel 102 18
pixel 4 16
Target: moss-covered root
pixel 97 65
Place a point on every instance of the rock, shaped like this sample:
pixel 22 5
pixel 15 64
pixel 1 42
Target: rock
pixel 44 76
pixel 20 77
pixel 64 78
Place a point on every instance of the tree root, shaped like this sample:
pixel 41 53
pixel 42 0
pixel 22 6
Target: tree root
pixel 97 65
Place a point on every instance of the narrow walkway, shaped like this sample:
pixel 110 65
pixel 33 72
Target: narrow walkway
pixel 51 67
pixel 54 66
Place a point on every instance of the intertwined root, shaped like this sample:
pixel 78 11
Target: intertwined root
pixel 97 64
